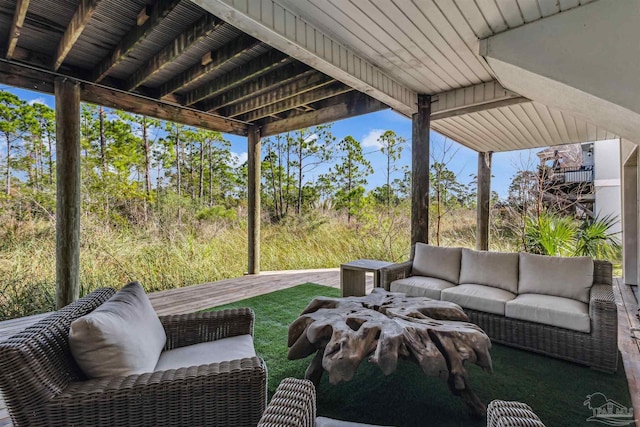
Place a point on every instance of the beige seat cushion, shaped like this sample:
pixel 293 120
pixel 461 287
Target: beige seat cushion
pixel 436 261
pixel 478 297
pixel 551 310
pixel 420 286
pixel 225 349
pixel 121 337
pixel 496 269
pixel 557 276
pixel 330 422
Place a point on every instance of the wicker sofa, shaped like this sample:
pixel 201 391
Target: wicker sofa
pixel 561 307
pixel 42 384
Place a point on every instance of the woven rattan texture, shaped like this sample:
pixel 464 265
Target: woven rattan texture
pixel 597 349
pixel 511 414
pixel 43 386
pixel 292 405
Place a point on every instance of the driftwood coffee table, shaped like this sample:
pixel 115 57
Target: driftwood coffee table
pixel 384 327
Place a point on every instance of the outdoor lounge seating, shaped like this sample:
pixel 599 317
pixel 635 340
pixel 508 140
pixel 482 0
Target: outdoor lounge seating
pixel 294 405
pixel 43 385
pixel 562 307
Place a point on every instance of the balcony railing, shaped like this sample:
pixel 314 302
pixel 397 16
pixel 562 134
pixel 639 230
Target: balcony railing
pixel 573 174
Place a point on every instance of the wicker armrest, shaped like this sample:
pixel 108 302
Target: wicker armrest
pixel 211 394
pixel 394 272
pixel 193 328
pixel 602 299
pixel 292 405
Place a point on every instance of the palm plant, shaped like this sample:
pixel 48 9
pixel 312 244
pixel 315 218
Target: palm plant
pixel 552 234
pixel 595 239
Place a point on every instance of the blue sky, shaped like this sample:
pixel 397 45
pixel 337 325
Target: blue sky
pixel 367 128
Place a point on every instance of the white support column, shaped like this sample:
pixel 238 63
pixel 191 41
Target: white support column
pixel 67 94
pixel 630 218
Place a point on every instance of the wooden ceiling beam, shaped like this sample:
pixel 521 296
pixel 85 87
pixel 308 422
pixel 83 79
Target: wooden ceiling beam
pixel 42 80
pixel 76 26
pixel 251 70
pixel 196 32
pixel 261 85
pixel 298 101
pixel 158 11
pixel 215 60
pixel 294 88
pixel 16 26
pixel 344 106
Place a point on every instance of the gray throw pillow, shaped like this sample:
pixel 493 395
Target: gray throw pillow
pixel 121 337
pixel 437 261
pixel 557 276
pixel 495 269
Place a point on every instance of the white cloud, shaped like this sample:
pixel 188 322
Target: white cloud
pixel 238 159
pixel 38 101
pixel 371 139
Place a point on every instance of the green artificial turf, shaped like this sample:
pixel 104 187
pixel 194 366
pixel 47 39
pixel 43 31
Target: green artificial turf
pixel 554 389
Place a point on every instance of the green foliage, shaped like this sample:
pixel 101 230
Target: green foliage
pixel 553 234
pixel 215 213
pixel 596 240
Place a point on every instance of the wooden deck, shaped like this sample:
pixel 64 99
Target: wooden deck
pixel 198 297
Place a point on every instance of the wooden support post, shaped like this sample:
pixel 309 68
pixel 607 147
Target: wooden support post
pixel 67 93
pixel 253 199
pixel 420 172
pixel 484 196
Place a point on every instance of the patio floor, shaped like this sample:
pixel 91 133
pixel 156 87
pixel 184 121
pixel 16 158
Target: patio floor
pixel 198 297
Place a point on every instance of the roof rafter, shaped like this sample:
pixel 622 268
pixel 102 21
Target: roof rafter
pixel 296 87
pixel 199 30
pixel 298 101
pixel 258 86
pixel 217 59
pixel 43 80
pixel 253 69
pixel 80 19
pixel 159 10
pixel 344 106
pixel 16 26
pixel 285 30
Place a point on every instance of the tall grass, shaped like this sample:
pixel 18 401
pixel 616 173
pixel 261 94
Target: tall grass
pixel 164 256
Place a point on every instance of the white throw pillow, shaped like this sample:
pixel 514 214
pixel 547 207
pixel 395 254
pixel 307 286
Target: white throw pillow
pixel 437 261
pixel 121 337
pixel 496 269
pixel 557 276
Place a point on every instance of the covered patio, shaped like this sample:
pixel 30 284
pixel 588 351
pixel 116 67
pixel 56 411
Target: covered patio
pixel 494 76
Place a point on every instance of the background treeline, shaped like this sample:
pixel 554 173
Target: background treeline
pixel 165 204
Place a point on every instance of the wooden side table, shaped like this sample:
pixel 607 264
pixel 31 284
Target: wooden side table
pixel 352 276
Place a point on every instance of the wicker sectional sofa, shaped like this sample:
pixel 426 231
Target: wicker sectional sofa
pixel 561 307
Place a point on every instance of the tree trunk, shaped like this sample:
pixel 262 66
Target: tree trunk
pixel 179 175
pixel 210 173
pixel 147 162
pixel 8 176
pixel 103 157
pixel 50 141
pixel 299 204
pixel 201 181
